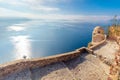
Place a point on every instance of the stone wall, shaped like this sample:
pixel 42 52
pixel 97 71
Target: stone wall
pixel 20 65
pixel 96 45
pixel 98 38
pixel 98 35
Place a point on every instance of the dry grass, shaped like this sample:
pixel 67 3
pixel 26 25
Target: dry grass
pixel 114 31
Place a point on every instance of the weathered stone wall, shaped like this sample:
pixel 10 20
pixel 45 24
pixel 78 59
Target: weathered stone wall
pixel 96 45
pixel 98 38
pixel 19 65
pixel 98 35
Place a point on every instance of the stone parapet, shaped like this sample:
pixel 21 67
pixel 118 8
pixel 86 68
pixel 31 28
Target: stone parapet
pixel 19 65
pixel 98 44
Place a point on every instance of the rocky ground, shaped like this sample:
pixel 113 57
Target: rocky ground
pixel 107 50
pixel 111 57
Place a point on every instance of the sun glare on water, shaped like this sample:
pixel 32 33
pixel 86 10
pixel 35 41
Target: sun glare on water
pixel 16 28
pixel 22 46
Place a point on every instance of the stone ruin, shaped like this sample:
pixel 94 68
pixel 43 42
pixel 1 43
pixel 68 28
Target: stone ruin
pixel 98 35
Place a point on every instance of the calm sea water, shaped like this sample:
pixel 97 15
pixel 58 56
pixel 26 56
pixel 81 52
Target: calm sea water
pixel 39 38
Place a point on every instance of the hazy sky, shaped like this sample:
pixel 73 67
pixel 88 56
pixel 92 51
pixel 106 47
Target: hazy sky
pixel 60 9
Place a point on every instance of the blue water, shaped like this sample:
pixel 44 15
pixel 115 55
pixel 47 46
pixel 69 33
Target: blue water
pixel 39 38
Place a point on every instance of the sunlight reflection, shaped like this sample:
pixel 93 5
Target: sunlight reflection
pixel 16 28
pixel 22 46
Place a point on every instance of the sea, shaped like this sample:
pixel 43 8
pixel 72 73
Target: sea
pixel 20 38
